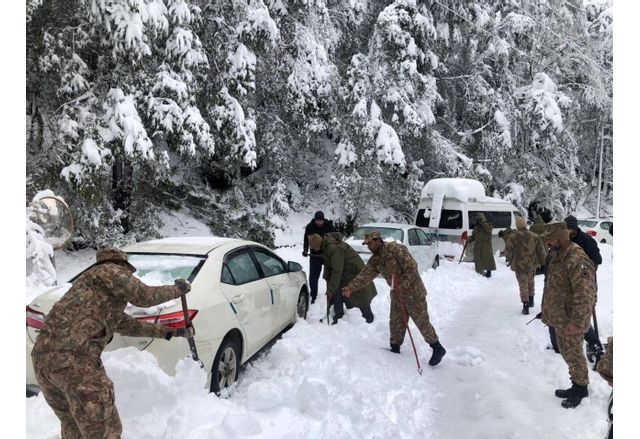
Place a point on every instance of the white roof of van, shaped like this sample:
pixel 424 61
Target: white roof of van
pixel 461 189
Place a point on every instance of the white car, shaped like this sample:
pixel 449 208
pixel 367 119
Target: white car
pixel 423 248
pixel 598 228
pixel 242 296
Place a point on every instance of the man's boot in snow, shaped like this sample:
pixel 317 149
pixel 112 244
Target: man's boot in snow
pixel 574 399
pixel 395 348
pixel 525 307
pixel 438 353
pixel 488 273
pixel 531 303
pixel 565 393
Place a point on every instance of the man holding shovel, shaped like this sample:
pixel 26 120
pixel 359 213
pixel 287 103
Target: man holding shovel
pixel 66 354
pixel 408 297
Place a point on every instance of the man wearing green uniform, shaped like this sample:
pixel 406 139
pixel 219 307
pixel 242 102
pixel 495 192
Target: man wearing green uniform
pixel 341 265
pixel 391 258
pixel 569 296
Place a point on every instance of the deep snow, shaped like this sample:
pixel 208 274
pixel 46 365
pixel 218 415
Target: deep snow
pixel 318 381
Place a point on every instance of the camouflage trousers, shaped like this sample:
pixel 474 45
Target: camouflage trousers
pixel 416 309
pixel 80 393
pixel 526 283
pixel 572 351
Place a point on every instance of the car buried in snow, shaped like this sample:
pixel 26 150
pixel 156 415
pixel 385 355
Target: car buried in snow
pixel 242 296
pixel 422 247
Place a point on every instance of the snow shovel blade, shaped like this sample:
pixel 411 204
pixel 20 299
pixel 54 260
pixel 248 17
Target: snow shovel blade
pixel 187 324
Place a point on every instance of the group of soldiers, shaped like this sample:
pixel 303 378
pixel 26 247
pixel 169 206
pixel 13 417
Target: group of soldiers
pixel 568 257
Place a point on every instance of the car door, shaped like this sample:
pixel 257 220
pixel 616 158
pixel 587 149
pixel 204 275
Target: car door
pixel 430 246
pixel 249 295
pixel 604 230
pixel 284 292
pixel 418 250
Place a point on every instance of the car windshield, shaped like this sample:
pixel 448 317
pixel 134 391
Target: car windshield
pixel 385 232
pixel 155 269
pixel 587 223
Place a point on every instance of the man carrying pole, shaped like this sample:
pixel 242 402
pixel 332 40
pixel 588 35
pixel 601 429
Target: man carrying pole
pixel 391 258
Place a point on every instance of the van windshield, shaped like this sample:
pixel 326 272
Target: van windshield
pixel 499 220
pixel 449 219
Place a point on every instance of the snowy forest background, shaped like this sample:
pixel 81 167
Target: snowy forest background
pixel 242 112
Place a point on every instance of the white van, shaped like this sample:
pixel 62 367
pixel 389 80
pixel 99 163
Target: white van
pixel 449 207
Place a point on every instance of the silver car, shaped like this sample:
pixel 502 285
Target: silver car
pixel 423 247
pixel 242 296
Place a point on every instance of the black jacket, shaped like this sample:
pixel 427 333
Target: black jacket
pixel 589 245
pixel 311 229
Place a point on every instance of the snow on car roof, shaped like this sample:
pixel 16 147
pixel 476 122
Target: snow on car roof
pixel 194 245
pixel 388 225
pixel 461 189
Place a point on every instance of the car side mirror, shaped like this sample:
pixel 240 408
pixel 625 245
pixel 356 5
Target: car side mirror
pixel 294 266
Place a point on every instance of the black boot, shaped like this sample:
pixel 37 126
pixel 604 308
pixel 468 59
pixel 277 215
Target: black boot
pixel 565 393
pixel 531 302
pixel 395 348
pixel 525 307
pixel 576 396
pixel 488 273
pixel 313 300
pixel 438 353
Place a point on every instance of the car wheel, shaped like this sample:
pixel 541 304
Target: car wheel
pixel 603 241
pixel 303 305
pixel 226 365
pixel 436 262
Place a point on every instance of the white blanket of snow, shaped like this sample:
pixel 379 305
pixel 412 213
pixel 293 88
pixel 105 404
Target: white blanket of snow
pixel 497 379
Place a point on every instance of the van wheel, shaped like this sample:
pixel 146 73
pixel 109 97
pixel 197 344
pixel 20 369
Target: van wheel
pixel 436 262
pixel 226 365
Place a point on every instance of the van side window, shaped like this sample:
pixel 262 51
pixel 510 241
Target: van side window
pixel 449 219
pixel 499 220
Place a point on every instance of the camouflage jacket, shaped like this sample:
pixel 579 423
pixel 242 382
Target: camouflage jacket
pixel 392 258
pixel 86 317
pixel 524 251
pixel 538 225
pixel 341 265
pixel 569 289
pixel 605 365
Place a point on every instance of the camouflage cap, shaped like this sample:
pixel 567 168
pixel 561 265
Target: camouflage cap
pixel 315 242
pixel 114 255
pixel 556 231
pixel 368 237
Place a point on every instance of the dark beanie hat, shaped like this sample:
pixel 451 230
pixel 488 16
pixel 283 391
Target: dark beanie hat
pixel 318 215
pixel 571 222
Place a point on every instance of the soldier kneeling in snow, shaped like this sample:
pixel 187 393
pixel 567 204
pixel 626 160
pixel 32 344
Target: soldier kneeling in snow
pixel 391 258
pixel 341 265
pixel 66 354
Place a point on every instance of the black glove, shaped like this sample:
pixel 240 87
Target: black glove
pixel 184 285
pixel 181 332
pixel 305 253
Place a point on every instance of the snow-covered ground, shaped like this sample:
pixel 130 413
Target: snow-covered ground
pixel 497 379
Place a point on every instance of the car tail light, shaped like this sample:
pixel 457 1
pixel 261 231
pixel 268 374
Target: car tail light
pixel 172 320
pixel 464 236
pixel 591 232
pixel 35 319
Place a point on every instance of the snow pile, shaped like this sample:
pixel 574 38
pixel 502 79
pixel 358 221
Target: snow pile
pixel 462 189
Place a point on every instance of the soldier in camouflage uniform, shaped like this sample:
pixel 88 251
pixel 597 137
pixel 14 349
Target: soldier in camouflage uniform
pixel 569 295
pixel 391 258
pixel 341 265
pixel 538 228
pixel 524 252
pixel 66 354
pixel 482 247
pixel 605 369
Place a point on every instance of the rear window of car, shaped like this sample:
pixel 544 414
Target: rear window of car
pixel 499 220
pixel 586 223
pixel 385 232
pixel 157 269
pixel 449 219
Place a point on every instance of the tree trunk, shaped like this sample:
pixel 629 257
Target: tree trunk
pixel 121 185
